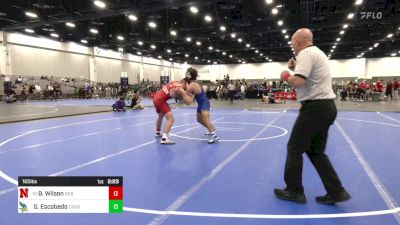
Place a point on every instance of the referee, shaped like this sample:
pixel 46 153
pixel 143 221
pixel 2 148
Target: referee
pixel 312 78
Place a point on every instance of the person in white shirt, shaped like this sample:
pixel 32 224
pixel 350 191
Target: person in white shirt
pixel 312 78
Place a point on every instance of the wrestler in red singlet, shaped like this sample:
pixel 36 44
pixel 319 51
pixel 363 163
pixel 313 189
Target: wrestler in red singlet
pixel 174 89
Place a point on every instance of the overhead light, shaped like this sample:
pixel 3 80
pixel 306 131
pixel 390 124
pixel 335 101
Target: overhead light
pixel 29 31
pixel 152 24
pixel 188 39
pixel 169 50
pixel 338 39
pixel 341 32
pixel 345 26
pixel 358 56
pixel 239 60
pixel 274 11
pixel 208 61
pixel 389 35
pixel 54 35
pixel 256 51
pixel 222 28
pixel 223 53
pixel 208 18
pixel 240 40
pixel 194 10
pixel 393 54
pixel 153 46
pixel 160 57
pixel 266 58
pixel 198 43
pixel 280 22
pixel 289 42
pixel 269 1
pixel 370 48
pixel 215 63
pixel 217 50
pixel 31 14
pixel 230 56
pixel 286 36
pixel 69 24
pixel 269 60
pixel 283 31
pixel 332 50
pixel 94 31
pixel 376 45
pixel 140 42
pixel 139 53
pixel 170 59
pixel 196 58
pixel 233 35
pixel 100 4
pixel 362 53
pixel 261 54
pixel 334 46
pixel 350 16
pixel 335 43
pixel 119 37
pixel 133 17
pixel 120 49
pixel 244 62
pixel 173 33
pixel 248 45
pixel 210 48
pixel 84 41
pixel 359 2
pixel 186 55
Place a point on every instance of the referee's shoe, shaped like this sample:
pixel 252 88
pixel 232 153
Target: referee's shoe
pixel 288 195
pixel 332 199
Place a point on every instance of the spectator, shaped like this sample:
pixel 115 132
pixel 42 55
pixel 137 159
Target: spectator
pixel 231 91
pixel 270 99
pixel 119 105
pixel 135 102
pixel 389 89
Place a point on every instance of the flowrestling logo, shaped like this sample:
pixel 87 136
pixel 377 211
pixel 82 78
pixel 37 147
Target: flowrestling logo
pixel 371 15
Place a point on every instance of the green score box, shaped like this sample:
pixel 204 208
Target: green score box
pixel 116 206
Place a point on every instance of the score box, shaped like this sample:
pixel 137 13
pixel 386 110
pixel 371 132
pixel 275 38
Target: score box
pixel 70 194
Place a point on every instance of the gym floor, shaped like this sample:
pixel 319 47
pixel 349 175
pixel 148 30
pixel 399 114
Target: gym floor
pixel 192 182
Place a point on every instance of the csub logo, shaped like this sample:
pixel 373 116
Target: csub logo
pixel 23 207
pixel 23 192
pixel 371 15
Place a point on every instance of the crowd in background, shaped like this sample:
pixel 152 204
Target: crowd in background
pixel 26 88
pixel 367 90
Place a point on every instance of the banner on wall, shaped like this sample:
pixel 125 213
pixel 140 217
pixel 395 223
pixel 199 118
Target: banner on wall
pixel 164 78
pixel 124 81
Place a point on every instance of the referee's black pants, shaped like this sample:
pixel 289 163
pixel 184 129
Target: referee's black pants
pixel 309 135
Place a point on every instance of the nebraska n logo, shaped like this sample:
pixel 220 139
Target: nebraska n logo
pixel 23 192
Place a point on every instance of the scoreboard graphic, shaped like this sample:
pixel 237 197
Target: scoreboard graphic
pixel 70 195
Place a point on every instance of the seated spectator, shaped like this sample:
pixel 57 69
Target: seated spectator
pixel 119 105
pixel 10 99
pixel 270 99
pixel 135 102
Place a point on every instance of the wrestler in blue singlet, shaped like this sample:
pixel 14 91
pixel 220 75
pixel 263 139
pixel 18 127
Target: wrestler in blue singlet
pixel 203 104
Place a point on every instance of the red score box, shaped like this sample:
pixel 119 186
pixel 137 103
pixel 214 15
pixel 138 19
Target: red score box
pixel 115 193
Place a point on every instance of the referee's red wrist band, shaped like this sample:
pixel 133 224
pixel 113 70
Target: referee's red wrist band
pixel 286 77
